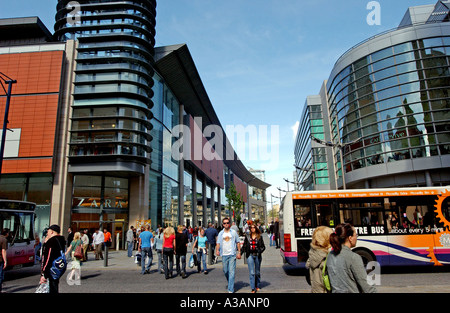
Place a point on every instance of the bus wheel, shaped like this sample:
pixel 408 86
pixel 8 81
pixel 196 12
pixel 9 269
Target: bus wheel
pixel 366 256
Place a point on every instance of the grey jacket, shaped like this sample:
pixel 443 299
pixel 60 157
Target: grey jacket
pixel 347 273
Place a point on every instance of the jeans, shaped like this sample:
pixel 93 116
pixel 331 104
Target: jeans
pixel 160 258
pixel 201 257
pixel 229 269
pixel 183 263
pixel 254 269
pixel 144 253
pixel 168 261
pixel 130 248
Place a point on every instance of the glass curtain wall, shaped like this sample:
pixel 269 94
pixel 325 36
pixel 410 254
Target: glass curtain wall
pixel 393 104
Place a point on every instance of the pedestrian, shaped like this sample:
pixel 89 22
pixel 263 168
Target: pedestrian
pixel 130 241
pixel 276 233
pixel 159 240
pixel 37 249
pixel 319 247
pixel 51 250
pixel 345 268
pixel 169 249
pixel 254 247
pixel 97 242
pixel 108 238
pixel 76 266
pixel 70 235
pixel 3 261
pixel 212 233
pixel 85 240
pixel 145 247
pixel 229 247
pixel 181 239
pixel 201 246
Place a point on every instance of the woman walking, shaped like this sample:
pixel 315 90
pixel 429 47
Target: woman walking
pixel 168 251
pixel 318 252
pixel 76 265
pixel 202 246
pixel 253 248
pixel 345 268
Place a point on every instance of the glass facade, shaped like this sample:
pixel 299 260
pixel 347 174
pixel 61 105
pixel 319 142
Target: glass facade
pixel 309 157
pixel 111 117
pixel 393 104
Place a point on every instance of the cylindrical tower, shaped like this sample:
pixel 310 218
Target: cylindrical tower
pixel 113 81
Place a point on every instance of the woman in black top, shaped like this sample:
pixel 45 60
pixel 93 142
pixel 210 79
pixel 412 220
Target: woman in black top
pixel 253 248
pixel 181 240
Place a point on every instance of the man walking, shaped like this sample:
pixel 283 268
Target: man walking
pixel 228 245
pixel 211 234
pixel 145 246
pixel 130 241
pixel 51 250
pixel 97 241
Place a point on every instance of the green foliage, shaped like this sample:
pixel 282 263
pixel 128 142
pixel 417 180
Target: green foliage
pixel 235 202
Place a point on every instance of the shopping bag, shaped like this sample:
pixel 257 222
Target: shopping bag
pixel 191 261
pixel 43 288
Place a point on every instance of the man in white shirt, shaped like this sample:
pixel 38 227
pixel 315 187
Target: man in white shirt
pixel 97 241
pixel 227 242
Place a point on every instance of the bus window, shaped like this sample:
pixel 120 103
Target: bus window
pixel 302 216
pixel 324 214
pixel 359 213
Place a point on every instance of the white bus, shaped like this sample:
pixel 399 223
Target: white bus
pixel 18 217
pixel 395 226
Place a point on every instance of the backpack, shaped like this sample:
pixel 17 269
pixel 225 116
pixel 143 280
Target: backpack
pixel 325 277
pixel 59 265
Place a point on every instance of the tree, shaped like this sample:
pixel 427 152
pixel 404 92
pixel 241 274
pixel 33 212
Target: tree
pixel 235 202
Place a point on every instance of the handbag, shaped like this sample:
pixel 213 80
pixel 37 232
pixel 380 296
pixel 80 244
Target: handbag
pixel 325 277
pixel 78 254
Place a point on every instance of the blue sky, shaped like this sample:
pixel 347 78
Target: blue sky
pixel 258 59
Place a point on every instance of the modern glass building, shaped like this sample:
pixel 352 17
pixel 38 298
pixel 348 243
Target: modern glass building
pixel 117 104
pixel 387 104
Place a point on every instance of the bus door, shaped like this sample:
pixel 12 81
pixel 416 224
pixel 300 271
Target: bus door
pixel 323 213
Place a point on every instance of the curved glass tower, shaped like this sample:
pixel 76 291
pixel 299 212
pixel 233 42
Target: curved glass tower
pixel 388 100
pixel 113 81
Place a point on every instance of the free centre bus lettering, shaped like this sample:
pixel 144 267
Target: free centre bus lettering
pixel 377 230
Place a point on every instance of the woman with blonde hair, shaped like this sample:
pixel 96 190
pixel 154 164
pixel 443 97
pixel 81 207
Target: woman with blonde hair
pixel 76 265
pixel 318 252
pixel 169 245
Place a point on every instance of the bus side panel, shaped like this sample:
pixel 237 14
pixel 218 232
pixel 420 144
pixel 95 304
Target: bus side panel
pixel 20 254
pixel 401 250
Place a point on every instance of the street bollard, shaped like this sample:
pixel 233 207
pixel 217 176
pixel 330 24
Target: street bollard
pixel 105 257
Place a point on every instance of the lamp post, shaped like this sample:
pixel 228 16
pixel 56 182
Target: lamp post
pixel 9 81
pixel 341 148
pixel 313 170
pixel 287 182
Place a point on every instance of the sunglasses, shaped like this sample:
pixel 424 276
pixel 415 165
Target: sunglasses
pixel 225 223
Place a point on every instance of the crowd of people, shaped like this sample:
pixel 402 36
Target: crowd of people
pixel 329 248
pixel 206 246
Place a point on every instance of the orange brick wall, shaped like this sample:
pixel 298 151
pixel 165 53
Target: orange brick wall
pixel 33 107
